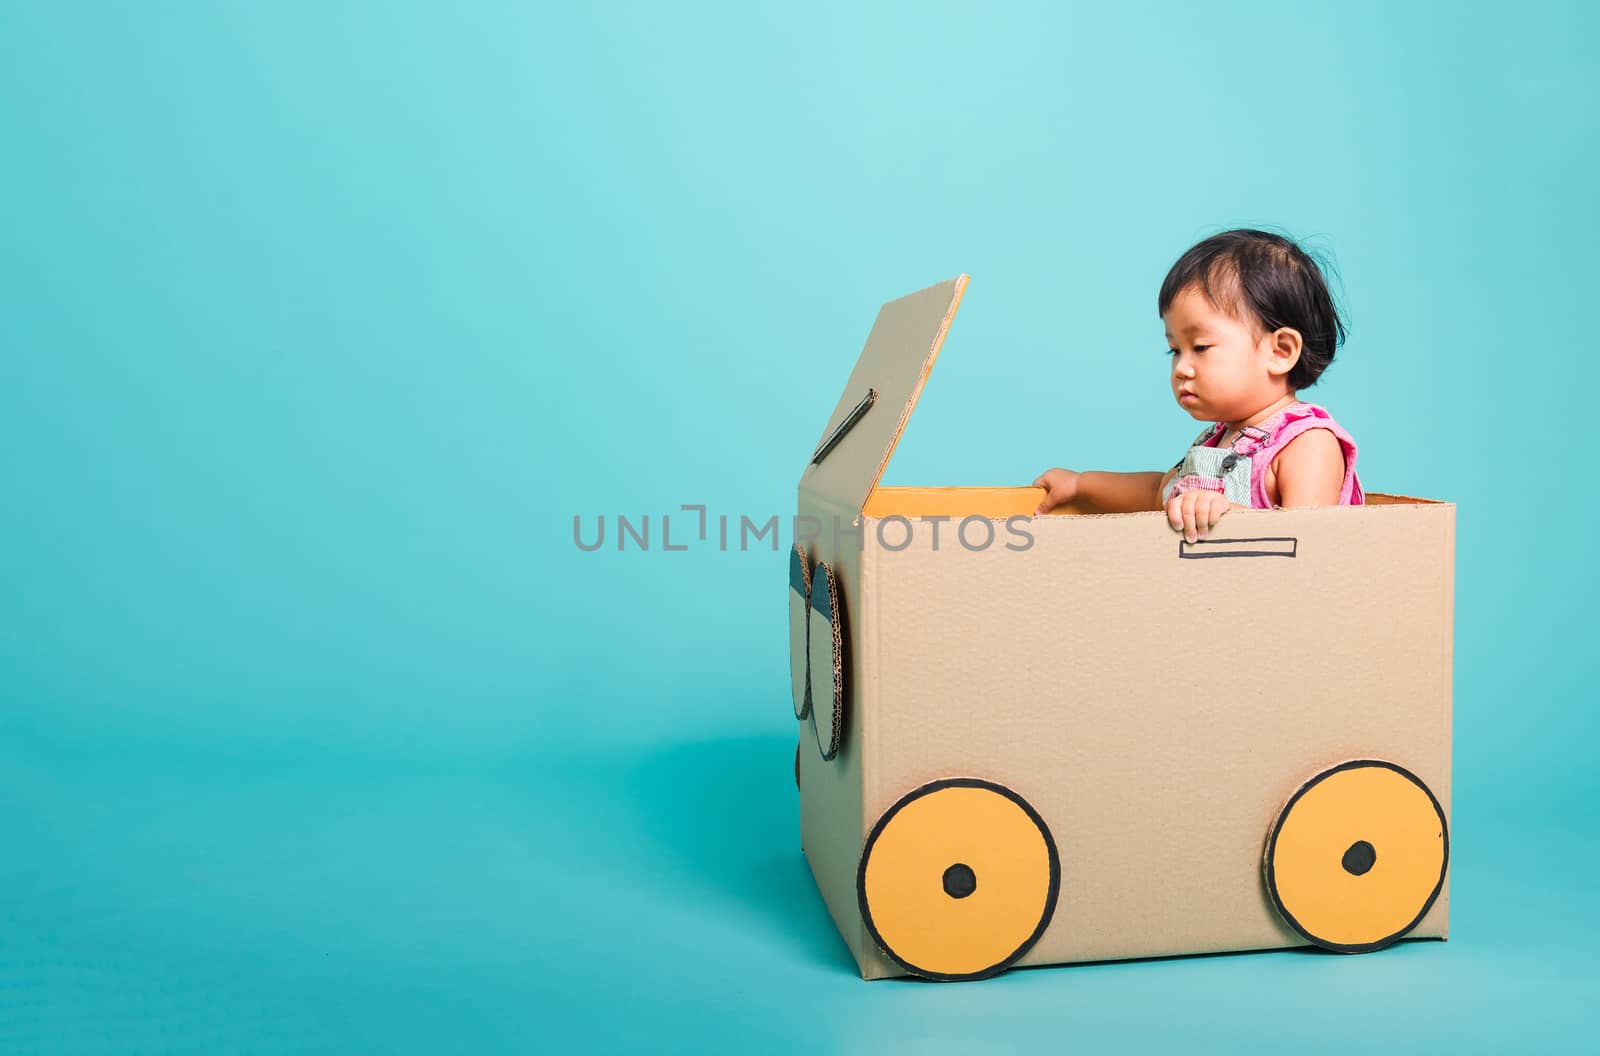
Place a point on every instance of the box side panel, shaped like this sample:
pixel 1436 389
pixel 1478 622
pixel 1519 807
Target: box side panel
pixel 1157 709
pixel 830 790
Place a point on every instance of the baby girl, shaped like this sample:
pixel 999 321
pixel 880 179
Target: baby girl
pixel 1250 322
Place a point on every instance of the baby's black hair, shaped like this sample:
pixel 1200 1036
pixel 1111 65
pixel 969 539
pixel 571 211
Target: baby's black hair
pixel 1248 272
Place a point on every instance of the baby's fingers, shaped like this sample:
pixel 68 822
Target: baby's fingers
pixel 1047 503
pixel 1175 512
pixel 1193 519
pixel 1207 512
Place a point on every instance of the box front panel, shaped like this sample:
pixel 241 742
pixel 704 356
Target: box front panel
pixel 830 789
pixel 1158 703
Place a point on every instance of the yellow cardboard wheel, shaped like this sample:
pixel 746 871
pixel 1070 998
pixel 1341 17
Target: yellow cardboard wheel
pixel 958 879
pixel 1357 856
pixel 799 623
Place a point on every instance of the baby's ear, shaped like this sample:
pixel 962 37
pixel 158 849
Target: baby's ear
pixel 1283 348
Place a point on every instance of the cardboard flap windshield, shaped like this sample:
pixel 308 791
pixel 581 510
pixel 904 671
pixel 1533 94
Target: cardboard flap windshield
pixel 1062 738
pixel 888 377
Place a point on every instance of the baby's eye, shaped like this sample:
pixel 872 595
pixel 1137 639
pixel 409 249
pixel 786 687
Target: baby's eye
pixel 1200 348
pixel 1172 351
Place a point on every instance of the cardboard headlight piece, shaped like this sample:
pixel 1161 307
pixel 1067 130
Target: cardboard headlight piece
pixel 825 660
pixel 1091 746
pixel 799 622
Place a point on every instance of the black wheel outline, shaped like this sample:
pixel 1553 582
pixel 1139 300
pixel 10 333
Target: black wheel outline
pixel 835 616
pixel 799 561
pixel 1051 898
pixel 1277 827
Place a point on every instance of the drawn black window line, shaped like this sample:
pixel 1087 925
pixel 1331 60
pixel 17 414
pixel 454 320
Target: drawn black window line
pixel 1264 546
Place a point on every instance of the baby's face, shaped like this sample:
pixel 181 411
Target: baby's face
pixel 1219 363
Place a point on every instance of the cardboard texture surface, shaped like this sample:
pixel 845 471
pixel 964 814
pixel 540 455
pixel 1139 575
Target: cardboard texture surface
pixel 1155 710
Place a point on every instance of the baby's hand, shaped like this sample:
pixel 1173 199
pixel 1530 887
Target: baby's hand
pixel 1060 486
pixel 1196 512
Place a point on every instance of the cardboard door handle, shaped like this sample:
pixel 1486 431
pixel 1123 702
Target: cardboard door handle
pixel 855 415
pixel 1271 546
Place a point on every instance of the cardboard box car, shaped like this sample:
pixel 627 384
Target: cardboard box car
pixel 1089 740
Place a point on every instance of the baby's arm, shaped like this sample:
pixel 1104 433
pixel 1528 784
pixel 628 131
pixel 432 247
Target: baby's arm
pixel 1106 492
pixel 1310 469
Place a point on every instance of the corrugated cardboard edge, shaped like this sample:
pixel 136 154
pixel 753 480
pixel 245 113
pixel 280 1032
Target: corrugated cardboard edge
pixel 1439 915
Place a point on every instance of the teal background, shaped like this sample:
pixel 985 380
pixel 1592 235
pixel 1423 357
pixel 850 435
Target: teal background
pixel 320 322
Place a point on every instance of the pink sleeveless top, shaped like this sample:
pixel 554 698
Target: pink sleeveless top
pixel 1261 444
